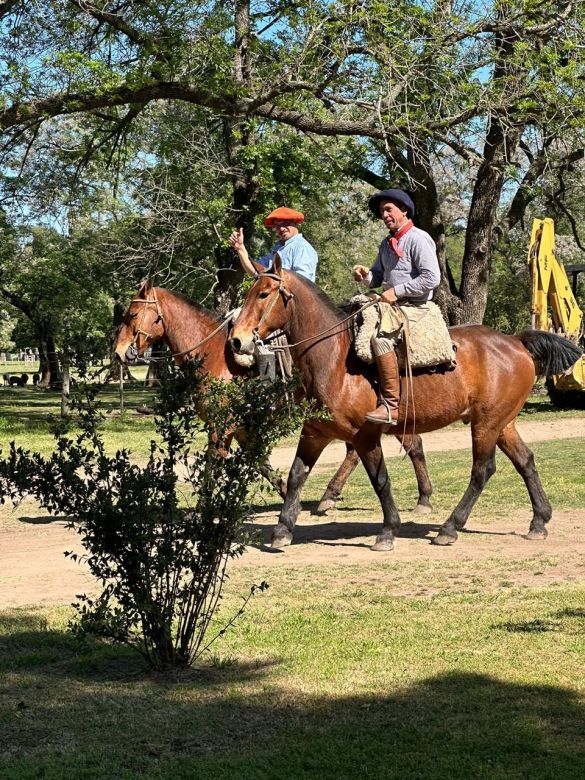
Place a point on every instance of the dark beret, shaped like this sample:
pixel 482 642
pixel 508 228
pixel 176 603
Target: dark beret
pixel 400 197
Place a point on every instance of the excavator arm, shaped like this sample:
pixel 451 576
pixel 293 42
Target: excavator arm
pixel 551 288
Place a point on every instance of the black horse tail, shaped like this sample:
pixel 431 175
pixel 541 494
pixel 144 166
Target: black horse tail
pixel 552 354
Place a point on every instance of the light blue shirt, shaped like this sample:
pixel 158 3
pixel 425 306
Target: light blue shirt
pixel 296 254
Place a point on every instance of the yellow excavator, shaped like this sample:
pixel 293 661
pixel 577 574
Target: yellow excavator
pixel 554 308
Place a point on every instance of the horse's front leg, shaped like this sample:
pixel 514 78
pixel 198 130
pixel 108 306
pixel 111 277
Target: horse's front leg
pixel 413 445
pixel 308 451
pixel 337 483
pixel 370 451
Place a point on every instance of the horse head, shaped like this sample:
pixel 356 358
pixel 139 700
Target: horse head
pixel 143 325
pixel 267 308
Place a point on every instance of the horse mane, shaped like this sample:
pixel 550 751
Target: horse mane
pixel 322 295
pixel 192 305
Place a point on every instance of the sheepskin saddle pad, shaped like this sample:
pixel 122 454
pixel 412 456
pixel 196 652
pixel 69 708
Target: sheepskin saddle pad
pixel 429 343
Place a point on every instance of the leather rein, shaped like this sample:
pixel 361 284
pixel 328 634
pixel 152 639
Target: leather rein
pixel 160 318
pixel 287 295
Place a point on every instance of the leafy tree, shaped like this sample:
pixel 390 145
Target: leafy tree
pixel 496 87
pixel 54 282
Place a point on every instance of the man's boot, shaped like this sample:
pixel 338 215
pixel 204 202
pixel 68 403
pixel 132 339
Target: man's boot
pixel 387 411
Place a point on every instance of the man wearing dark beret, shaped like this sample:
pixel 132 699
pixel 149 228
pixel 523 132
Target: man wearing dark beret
pixel 408 271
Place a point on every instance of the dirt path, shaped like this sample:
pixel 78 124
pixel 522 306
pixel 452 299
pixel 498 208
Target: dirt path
pixel 445 440
pixel 33 569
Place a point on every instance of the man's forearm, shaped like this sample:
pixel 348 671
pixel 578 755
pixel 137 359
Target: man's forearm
pixel 245 262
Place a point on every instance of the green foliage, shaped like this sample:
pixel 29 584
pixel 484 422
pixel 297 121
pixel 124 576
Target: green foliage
pixel 162 566
pixel 508 307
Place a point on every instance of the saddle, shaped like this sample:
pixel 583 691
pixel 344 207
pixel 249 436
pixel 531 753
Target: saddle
pixel 427 341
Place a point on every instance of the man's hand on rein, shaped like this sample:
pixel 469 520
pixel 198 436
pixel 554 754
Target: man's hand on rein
pixel 389 296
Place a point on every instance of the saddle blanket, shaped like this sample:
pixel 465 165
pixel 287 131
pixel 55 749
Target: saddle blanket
pixel 425 335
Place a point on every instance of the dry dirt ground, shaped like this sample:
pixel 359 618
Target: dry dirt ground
pixel 33 569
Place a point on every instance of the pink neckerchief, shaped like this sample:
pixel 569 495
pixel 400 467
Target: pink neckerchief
pixel 393 239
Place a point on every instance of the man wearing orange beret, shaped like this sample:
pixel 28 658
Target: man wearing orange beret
pixel 296 252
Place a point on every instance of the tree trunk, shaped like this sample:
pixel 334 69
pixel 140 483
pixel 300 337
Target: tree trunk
pixel 65 403
pixel 479 237
pixel 49 361
pixel 429 218
pixel 237 136
pixel 500 146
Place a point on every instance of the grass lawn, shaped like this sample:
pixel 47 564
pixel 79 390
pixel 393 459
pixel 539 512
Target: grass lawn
pixel 343 683
pixel 386 670
pixel 27 415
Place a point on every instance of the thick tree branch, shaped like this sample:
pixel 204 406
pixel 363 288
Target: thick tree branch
pixel 7 6
pixel 117 23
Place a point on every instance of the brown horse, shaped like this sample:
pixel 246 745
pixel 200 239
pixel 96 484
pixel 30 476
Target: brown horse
pixel 156 313
pixel 488 388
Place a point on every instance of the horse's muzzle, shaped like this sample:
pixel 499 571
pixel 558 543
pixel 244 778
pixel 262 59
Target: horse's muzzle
pixel 242 347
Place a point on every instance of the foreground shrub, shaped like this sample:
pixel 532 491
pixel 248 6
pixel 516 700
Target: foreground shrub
pixel 157 542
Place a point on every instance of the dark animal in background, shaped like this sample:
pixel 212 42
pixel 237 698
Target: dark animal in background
pixel 36 378
pixel 16 381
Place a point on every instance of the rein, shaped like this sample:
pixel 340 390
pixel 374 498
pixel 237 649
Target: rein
pixel 160 318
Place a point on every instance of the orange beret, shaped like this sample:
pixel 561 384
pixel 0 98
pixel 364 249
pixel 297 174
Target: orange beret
pixel 283 213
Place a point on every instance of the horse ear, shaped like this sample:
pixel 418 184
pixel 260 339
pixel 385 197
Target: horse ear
pixel 260 269
pixel 145 289
pixel 276 267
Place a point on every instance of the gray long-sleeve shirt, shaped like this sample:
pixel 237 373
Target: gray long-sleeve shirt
pixel 413 276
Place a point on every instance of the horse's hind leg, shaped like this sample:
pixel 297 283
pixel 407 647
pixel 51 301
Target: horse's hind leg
pixel 274 477
pixel 337 483
pixel 373 459
pixel 484 466
pixel 414 447
pixel 511 444
pixel 308 451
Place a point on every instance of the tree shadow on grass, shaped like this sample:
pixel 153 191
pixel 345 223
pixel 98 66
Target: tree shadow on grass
pixel 569 620
pixel 244 720
pixel 27 644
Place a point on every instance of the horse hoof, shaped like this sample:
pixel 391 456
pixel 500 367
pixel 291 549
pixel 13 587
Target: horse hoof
pixel 383 544
pixel 444 540
pixel 422 509
pixel 281 539
pixel 537 535
pixel 325 505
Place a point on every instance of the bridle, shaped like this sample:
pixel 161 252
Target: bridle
pixel 282 289
pixel 287 295
pixel 132 349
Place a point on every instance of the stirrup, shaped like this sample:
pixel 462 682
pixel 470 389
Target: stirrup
pixel 389 421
